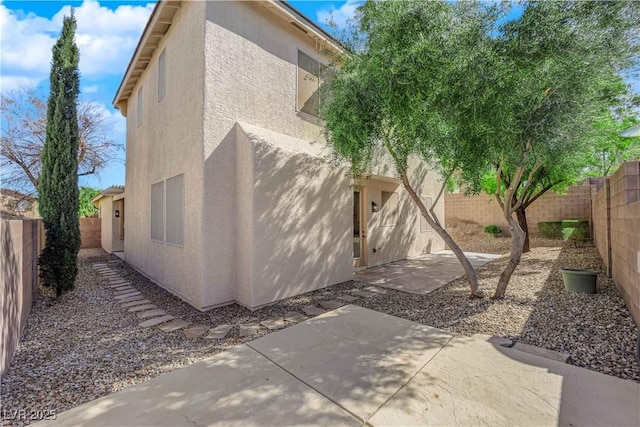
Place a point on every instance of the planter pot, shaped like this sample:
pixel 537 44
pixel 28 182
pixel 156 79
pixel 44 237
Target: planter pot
pixel 581 281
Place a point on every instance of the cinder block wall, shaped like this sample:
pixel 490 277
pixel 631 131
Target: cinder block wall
pixel 16 284
pixel 475 212
pixel 90 232
pixel 622 225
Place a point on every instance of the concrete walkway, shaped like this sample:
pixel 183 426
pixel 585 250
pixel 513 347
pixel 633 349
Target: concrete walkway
pixel 353 366
pixel 421 275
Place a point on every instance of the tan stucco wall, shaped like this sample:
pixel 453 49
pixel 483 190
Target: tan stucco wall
pixel 294 217
pixel 106 223
pixel 169 143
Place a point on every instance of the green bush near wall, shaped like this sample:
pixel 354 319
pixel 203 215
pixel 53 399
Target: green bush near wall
pixel 575 230
pixel 566 230
pixel 550 229
pixel 492 229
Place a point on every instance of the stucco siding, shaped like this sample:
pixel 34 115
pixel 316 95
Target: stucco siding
pixel 167 143
pixel 300 221
pixel 251 66
pixel 106 224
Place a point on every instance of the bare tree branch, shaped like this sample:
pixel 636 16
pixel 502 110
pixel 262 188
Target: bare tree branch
pixel 24 122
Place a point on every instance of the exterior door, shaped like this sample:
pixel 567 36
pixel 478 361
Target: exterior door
pixel 359 229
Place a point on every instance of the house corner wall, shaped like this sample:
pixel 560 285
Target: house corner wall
pixel 169 142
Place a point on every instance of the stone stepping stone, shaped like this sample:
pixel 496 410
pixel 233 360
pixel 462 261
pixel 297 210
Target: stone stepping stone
pixel 142 307
pixel 273 323
pixel 117 281
pixel 195 331
pixel 312 310
pixel 123 288
pixel 365 294
pixel 248 329
pixel 118 285
pixel 127 295
pixel 295 317
pixel 375 289
pixel 151 313
pixel 347 298
pixel 174 325
pixel 133 298
pixel 331 304
pixel 219 332
pixel 126 291
pixel 136 303
pixel 99 264
pixel 156 321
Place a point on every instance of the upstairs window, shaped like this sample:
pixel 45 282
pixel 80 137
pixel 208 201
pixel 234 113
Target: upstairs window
pixel 139 111
pixel 162 75
pixel 308 84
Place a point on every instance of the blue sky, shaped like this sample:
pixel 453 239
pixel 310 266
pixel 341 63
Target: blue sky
pixel 107 34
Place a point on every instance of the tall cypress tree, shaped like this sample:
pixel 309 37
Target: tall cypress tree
pixel 58 186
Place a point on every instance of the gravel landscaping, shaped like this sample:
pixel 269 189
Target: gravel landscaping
pixel 86 345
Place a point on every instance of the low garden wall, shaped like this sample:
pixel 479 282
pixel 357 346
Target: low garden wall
pixel 476 212
pixel 18 282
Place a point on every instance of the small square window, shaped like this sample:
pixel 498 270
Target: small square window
pixel 308 84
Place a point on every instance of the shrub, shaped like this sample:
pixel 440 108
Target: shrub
pixel 492 229
pixel 575 230
pixel 550 229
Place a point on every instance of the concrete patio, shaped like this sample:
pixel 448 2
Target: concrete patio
pixel 353 366
pixel 421 275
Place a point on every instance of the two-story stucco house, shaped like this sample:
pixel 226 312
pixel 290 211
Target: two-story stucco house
pixel 227 196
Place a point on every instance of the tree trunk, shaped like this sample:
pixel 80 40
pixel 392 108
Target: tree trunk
pixel 521 214
pixel 472 277
pixel 517 242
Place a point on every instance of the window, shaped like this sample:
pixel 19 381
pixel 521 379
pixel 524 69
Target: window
pixel 424 225
pixel 308 84
pixel 157 211
pixel 162 75
pixel 389 209
pixel 175 210
pixel 139 112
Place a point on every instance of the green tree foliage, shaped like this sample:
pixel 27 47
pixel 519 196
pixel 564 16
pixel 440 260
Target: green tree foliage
pixel 609 149
pixel 398 95
pixel 87 209
pixel 58 185
pixel 466 88
pixel 559 69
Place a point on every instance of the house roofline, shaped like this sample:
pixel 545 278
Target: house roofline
pixel 156 28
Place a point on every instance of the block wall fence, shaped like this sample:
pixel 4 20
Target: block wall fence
pixel 616 225
pixel 22 242
pixel 476 212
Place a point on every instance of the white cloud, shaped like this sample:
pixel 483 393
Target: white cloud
pixel 106 39
pixel 90 89
pixel 339 16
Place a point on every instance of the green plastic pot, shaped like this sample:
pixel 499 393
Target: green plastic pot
pixel 581 281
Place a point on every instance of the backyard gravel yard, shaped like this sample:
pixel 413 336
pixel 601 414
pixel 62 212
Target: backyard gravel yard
pixel 86 345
